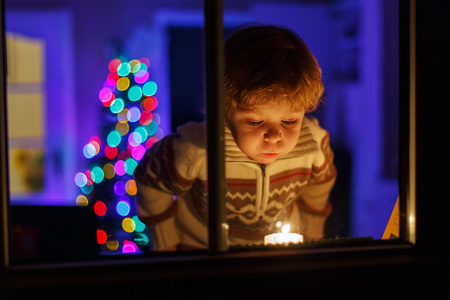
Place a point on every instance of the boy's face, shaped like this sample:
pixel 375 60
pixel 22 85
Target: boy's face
pixel 265 133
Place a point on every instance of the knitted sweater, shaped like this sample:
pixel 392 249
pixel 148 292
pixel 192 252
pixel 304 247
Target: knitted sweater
pixel 171 180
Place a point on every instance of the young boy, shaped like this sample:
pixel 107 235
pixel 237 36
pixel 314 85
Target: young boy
pixel 279 164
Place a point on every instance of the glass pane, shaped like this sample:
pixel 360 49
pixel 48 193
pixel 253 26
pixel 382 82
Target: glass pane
pixel 356 46
pixel 91 86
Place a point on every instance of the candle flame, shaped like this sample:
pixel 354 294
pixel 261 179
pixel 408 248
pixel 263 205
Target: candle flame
pixel 286 228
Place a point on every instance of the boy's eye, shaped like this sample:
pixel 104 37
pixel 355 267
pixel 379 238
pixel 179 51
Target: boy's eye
pixel 289 122
pixel 254 123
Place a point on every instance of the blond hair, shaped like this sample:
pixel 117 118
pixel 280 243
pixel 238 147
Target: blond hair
pixel 266 63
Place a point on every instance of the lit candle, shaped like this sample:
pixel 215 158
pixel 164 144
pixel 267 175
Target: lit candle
pixel 285 237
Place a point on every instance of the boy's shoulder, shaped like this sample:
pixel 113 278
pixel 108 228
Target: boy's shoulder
pixel 193 133
pixel 311 124
pixel 310 139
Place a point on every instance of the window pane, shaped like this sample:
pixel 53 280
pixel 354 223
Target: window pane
pixel 93 85
pixel 356 46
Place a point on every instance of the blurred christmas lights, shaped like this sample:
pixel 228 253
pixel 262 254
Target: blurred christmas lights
pixel 128 97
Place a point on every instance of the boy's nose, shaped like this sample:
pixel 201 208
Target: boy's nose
pixel 272 135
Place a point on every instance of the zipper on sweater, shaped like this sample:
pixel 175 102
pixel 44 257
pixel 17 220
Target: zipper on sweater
pixel 263 187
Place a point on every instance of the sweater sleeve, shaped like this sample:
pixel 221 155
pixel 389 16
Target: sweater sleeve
pixel 155 200
pixel 169 168
pixel 313 203
pixel 157 210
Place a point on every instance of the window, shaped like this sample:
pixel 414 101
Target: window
pixel 80 85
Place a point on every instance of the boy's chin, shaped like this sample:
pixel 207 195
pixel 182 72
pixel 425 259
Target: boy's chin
pixel 264 160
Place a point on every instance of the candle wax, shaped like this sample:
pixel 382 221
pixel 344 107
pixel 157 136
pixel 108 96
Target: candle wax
pixel 283 238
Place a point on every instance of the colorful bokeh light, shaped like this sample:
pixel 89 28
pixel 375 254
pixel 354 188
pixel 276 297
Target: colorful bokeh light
pixel 131 165
pixel 133 114
pixel 129 98
pixel 105 94
pixel 110 152
pixel 120 188
pixel 97 174
pixel 95 139
pixel 123 128
pixel 112 78
pixel 114 64
pixel 131 187
pixel 101 236
pixel 114 138
pixel 89 150
pixel 80 179
pixel 142 132
pixel 89 178
pixel 135 93
pixel 144 65
pixel 150 103
pixel 112 245
pixel 108 169
pixel 123 84
pixel 134 139
pixel 159 134
pixel 122 116
pixel 141 76
pixel 129 247
pixel 123 208
pixel 124 69
pixel 117 105
pixel 100 208
pixel 135 65
pixel 120 168
pixel 151 128
pixel 139 226
pixel 145 61
pixel 149 88
pixel 81 200
pixel 150 142
pixel 141 239
pixel 138 152
pixel 128 224
pixel 145 118
pixel 87 189
pixel 157 118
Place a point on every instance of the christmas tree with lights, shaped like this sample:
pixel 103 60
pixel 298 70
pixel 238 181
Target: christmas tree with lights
pixel 130 126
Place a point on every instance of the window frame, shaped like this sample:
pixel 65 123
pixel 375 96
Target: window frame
pixel 402 257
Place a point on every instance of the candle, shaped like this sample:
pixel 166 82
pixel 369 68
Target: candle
pixel 285 237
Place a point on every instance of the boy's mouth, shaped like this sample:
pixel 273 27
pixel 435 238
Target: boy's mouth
pixel 271 155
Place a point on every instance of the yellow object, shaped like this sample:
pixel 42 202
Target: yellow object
pixel 128 225
pixel 392 230
pixel 112 245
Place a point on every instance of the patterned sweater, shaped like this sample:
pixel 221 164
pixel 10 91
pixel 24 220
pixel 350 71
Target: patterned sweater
pixel 171 180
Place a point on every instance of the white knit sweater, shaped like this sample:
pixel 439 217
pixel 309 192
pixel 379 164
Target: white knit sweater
pixel 294 189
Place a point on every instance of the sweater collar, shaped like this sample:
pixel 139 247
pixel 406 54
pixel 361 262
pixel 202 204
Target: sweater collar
pixel 305 145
